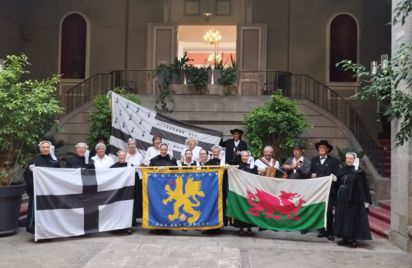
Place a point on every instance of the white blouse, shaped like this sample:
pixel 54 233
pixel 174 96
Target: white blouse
pixel 262 166
pixel 104 162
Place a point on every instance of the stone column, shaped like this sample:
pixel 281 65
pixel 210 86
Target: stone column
pixel 401 172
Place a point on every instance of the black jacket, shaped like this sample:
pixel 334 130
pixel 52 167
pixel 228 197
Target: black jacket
pixel 39 161
pixel 159 161
pixel 330 166
pixel 78 162
pixel 231 150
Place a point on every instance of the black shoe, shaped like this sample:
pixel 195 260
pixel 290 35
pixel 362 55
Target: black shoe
pixel 129 231
pixel 304 232
pixel 159 231
pixel 354 244
pixel 212 231
pixel 250 232
pixel 321 234
pixel 343 242
pixel 261 229
pixel 331 238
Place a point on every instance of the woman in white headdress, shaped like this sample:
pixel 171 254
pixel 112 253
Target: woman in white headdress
pixel 46 158
pixel 353 198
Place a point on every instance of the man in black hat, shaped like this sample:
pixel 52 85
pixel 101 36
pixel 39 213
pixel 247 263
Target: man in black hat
pixel 297 166
pixel 325 165
pixel 234 147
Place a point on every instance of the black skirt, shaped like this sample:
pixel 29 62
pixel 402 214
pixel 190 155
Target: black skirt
pixel 351 218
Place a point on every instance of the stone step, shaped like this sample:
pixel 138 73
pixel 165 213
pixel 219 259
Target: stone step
pixel 380 213
pixel 379 227
pixel 385 204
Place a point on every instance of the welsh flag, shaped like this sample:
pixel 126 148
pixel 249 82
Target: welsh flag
pixel 278 204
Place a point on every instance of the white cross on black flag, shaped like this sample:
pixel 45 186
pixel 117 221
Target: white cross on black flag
pixel 132 120
pixel 72 202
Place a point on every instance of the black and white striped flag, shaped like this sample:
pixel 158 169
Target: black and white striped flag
pixel 72 202
pixel 132 120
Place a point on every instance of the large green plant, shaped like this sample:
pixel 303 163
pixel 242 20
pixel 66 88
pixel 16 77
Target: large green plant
pixel 28 109
pixel 384 84
pixel 197 77
pixel 100 116
pixel 277 123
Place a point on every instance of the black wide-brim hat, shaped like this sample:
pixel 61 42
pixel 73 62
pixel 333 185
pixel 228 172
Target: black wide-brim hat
pixel 100 137
pixel 236 130
pixel 323 142
pixel 297 146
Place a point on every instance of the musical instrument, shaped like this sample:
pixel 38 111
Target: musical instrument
pixel 270 171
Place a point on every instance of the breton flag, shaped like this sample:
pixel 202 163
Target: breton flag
pixel 132 120
pixel 278 204
pixel 182 199
pixel 72 202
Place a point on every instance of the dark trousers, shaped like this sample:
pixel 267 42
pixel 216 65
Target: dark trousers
pixel 30 216
pixel 137 201
pixel 225 186
pixel 329 222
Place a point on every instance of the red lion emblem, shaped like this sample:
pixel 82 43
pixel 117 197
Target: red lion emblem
pixel 274 207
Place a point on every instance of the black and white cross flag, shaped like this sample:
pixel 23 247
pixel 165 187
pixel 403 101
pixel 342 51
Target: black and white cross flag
pixel 132 120
pixel 72 202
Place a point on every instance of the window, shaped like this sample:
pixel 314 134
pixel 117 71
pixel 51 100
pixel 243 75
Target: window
pixel 73 47
pixel 343 46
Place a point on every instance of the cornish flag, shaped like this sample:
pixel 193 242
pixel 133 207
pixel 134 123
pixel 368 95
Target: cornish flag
pixel 132 120
pixel 278 204
pixel 72 202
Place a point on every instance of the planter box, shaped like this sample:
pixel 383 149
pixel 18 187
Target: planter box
pixel 186 90
pixel 10 201
pixel 222 90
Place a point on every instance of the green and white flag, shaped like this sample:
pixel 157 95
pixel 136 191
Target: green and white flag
pixel 278 204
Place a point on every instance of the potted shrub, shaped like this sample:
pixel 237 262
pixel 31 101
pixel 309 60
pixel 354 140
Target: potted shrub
pixel 177 69
pixel 27 112
pixel 278 123
pixel 197 77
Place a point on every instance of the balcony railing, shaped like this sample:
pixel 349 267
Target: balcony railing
pixel 298 86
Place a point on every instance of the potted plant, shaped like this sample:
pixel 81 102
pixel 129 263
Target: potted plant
pixel 278 123
pixel 217 71
pixel 27 112
pixel 177 69
pixel 197 77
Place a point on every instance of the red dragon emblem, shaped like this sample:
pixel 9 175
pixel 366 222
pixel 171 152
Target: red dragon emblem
pixel 273 206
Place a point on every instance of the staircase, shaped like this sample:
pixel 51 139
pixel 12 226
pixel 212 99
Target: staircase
pixel 380 219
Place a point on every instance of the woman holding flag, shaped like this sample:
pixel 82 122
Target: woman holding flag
pixel 246 164
pixel 46 158
pixel 353 199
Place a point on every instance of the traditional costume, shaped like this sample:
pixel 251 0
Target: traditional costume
pixel 302 172
pixel 76 161
pixel 39 161
pixel 233 148
pixel 325 166
pixel 237 223
pixel 351 219
pixel 159 161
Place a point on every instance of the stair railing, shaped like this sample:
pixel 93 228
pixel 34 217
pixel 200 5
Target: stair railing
pixel 301 86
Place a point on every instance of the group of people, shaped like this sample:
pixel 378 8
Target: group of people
pixel 348 200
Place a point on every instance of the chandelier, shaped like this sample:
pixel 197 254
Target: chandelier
pixel 212 36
